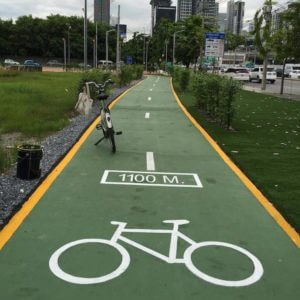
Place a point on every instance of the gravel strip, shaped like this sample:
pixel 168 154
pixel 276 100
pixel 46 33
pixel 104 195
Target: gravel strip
pixel 14 192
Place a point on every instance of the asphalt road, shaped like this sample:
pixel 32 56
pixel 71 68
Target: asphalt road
pixel 291 87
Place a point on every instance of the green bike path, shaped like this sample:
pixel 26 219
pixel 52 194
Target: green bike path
pixel 181 178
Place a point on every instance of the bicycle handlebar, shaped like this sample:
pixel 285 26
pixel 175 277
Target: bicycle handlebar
pixel 100 86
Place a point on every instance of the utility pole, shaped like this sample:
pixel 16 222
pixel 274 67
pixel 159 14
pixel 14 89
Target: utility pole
pixel 166 54
pixel 106 43
pixel 174 45
pixel 144 50
pixel 118 42
pixel 65 54
pixel 96 48
pixel 147 45
pixel 201 46
pixel 85 34
pixel 94 53
pixel 69 45
pixel 267 14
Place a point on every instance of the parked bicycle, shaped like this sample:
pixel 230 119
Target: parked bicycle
pixel 105 124
pixel 171 258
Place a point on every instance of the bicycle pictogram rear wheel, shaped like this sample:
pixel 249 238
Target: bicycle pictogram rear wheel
pixel 57 271
pixel 256 275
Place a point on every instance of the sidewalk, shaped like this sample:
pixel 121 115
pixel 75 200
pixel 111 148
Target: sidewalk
pixel 258 90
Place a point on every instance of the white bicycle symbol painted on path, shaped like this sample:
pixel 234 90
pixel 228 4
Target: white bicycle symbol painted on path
pixel 172 258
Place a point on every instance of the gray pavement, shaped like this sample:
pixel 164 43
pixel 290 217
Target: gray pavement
pixel 291 88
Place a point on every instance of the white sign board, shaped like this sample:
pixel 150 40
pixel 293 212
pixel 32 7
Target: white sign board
pixel 214 44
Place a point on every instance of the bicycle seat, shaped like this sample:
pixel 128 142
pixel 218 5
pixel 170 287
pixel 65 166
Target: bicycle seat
pixel 178 222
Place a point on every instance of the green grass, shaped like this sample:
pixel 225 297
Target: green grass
pixel 36 104
pixel 265 144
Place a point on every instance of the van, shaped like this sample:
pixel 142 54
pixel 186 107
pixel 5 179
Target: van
pixel 290 68
pixel 257 74
pixel 102 63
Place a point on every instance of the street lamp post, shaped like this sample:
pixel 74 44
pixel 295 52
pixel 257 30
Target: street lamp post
pixel 65 53
pixel 118 42
pixel 94 53
pixel 144 49
pixel 85 33
pixel 106 43
pixel 166 42
pixel 96 48
pixel 69 44
pixel 147 46
pixel 174 45
pixel 267 14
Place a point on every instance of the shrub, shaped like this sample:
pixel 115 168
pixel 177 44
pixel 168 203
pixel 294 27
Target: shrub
pixel 215 95
pixel 97 76
pixel 126 75
pixel 184 79
pixel 176 74
pixel 231 89
pixel 138 72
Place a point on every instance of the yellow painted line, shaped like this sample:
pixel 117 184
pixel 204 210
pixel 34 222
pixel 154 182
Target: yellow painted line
pixel 289 230
pixel 8 231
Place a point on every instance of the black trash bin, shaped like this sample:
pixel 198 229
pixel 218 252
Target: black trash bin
pixel 28 161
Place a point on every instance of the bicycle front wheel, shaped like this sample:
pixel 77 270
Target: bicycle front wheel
pixel 57 271
pixel 112 141
pixel 256 275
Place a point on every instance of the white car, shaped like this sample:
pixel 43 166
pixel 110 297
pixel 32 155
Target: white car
pixel 10 62
pixel 257 74
pixel 240 74
pixel 295 74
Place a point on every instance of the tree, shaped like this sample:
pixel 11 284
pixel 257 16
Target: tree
pixel 134 48
pixel 286 40
pixel 233 41
pixel 162 33
pixel 191 42
pixel 35 37
pixel 262 35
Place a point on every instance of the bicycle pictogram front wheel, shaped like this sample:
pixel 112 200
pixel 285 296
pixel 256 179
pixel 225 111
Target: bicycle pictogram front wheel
pixel 57 271
pixel 254 277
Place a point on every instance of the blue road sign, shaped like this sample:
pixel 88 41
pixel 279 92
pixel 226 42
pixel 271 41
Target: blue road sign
pixel 129 60
pixel 215 36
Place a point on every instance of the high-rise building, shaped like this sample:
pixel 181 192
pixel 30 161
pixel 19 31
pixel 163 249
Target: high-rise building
pixel 207 8
pixel 102 11
pixel 277 15
pixel 184 9
pixel 235 16
pixel 222 21
pixel 161 9
pixel 230 12
pixel 238 21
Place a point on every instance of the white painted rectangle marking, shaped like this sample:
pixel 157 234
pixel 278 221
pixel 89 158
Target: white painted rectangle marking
pixel 149 98
pixel 150 161
pixel 159 179
pixel 147 115
pixel 150 90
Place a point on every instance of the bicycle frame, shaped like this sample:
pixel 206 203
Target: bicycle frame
pixel 175 234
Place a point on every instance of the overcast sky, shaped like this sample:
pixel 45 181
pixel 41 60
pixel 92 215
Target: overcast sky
pixel 134 13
